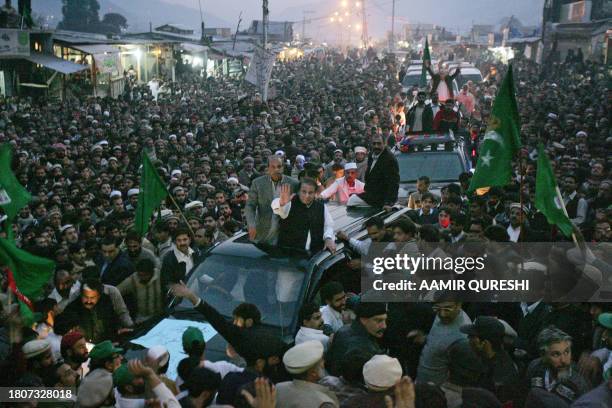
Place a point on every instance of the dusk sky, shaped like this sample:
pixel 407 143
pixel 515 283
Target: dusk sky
pixel 454 14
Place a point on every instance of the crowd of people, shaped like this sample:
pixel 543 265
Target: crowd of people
pixel 233 163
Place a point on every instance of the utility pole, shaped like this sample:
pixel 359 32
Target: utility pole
pixel 364 26
pixel 392 42
pixel 237 28
pixel 202 36
pixel 264 87
pixel 265 24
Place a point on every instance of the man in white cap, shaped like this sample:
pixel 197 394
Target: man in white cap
pixel 69 234
pixel 132 196
pixel 195 208
pixel 39 360
pixel 361 154
pixel 304 362
pixel 380 374
pixel 341 189
pixel 158 358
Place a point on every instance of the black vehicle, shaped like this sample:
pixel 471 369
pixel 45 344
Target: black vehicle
pixel 441 157
pixel 277 280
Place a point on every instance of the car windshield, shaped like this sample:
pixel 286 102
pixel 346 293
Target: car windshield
pixel 412 79
pixel 272 284
pixel 438 166
pixel 463 79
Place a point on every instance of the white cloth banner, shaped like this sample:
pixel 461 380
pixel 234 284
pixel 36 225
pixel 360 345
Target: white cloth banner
pixel 260 69
pixel 169 333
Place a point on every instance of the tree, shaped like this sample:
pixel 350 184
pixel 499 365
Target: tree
pixel 80 15
pixel 115 22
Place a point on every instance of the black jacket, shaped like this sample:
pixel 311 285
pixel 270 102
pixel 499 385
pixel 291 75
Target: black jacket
pixel 240 339
pixel 426 119
pixel 382 181
pixel 119 269
pixel 173 271
pixel 349 338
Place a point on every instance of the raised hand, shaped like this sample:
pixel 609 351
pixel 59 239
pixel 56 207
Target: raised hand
pixel 265 394
pixel 285 194
pixel 138 369
pixel 182 291
pixel 404 394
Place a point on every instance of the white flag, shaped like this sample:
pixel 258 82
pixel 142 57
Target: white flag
pixel 260 69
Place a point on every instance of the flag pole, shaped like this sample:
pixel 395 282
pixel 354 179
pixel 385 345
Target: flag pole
pixel 181 212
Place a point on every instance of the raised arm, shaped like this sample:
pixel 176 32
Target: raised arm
pixel 227 330
pixel 456 74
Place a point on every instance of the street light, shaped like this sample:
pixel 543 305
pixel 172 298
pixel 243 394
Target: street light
pixel 340 19
pixel 344 3
pixel 332 19
pixel 358 4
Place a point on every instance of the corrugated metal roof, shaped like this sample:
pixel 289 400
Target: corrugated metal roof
pixel 56 64
pixel 190 47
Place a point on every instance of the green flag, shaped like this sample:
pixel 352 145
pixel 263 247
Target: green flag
pixel 13 197
pixel 501 141
pixel 546 198
pixel 30 272
pixel 426 57
pixel 152 192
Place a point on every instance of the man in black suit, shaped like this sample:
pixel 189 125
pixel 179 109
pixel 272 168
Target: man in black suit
pixel 381 180
pixel 116 265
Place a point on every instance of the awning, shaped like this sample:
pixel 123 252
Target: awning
pixel 56 64
pixel 97 48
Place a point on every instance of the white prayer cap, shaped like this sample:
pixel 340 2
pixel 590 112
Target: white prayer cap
pixel 299 358
pixel 350 166
pixel 381 372
pixel 194 204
